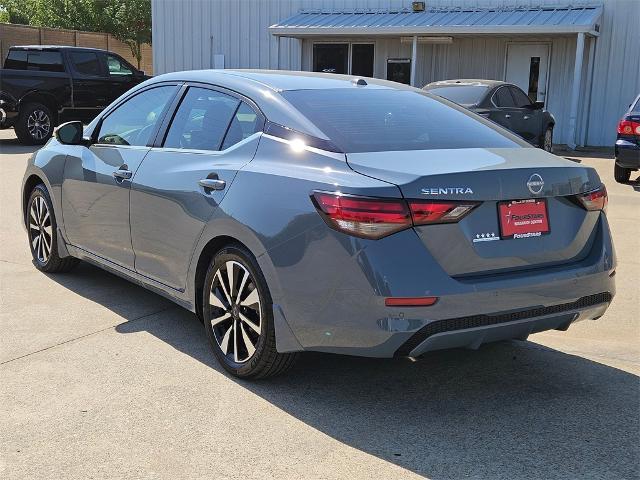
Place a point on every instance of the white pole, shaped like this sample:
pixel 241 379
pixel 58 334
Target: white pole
pixel 414 55
pixel 575 92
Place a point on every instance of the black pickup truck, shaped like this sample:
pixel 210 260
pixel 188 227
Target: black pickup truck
pixel 43 86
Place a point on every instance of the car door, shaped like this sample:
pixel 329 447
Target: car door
pixel 504 109
pixel 97 179
pixel 90 90
pixel 528 122
pixel 181 182
pixel 120 75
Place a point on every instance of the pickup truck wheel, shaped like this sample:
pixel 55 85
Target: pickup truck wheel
pixel 35 124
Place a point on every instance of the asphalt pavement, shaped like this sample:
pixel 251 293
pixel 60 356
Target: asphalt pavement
pixel 100 378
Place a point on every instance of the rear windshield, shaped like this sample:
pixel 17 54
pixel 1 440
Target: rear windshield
pixel 376 120
pixel 467 95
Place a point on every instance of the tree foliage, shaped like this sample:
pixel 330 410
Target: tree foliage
pixel 127 20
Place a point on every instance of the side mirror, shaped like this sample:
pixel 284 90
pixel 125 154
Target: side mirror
pixel 70 133
pixel 537 105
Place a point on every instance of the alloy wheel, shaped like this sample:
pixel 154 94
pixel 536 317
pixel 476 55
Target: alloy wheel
pixel 236 312
pixel 38 124
pixel 40 229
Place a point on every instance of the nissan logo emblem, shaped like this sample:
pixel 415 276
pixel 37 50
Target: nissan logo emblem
pixel 535 184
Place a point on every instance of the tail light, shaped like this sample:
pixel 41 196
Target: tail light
pixel 628 127
pixel 595 199
pixel 377 217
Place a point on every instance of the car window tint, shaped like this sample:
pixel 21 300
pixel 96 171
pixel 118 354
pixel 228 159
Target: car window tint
pixel 201 120
pixel 45 61
pixel 464 95
pixel 16 60
pixel 374 120
pixel 243 125
pixel 132 122
pixel 503 99
pixel 520 98
pixel 86 63
pixel 117 67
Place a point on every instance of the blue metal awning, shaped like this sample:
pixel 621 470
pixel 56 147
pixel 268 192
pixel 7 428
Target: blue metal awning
pixel 438 21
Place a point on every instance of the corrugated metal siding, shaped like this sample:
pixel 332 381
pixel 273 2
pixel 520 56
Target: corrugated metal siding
pixel 189 32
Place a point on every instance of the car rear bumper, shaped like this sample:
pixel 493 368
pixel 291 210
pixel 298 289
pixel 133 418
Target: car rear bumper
pixel 627 154
pixel 473 331
pixel 336 302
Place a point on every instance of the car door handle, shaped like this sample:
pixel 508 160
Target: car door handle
pixel 122 173
pixel 212 184
pixel 507 116
pixel 526 117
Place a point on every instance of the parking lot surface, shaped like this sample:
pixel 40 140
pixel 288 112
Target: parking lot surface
pixel 100 378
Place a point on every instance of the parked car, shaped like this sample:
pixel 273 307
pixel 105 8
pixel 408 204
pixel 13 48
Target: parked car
pixel 42 86
pixel 627 146
pixel 301 211
pixel 504 103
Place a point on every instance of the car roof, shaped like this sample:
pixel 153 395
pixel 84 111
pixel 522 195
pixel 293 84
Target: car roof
pixel 465 82
pixel 55 47
pixel 283 80
pixel 265 86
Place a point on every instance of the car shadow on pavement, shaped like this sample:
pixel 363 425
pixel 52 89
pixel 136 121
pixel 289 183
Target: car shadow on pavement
pixel 512 410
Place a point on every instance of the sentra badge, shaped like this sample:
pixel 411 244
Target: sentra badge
pixel 446 191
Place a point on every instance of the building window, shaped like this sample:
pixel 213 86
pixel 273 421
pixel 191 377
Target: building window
pixel 399 70
pixel 345 58
pixel 331 57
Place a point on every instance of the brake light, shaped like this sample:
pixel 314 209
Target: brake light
pixel 595 199
pixel 628 127
pixel 378 217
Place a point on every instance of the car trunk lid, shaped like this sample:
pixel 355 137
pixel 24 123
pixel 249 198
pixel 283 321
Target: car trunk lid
pixel 474 245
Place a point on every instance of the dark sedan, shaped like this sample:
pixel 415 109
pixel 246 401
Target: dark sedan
pixel 628 143
pixel 504 103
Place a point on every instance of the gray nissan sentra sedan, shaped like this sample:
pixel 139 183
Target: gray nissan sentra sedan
pixel 295 211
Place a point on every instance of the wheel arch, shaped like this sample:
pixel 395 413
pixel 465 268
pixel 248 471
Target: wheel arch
pixel 29 184
pixel 45 99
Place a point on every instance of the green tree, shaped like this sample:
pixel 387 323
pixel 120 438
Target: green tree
pixel 127 20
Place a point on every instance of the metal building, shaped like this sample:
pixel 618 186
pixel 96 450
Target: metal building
pixel 582 60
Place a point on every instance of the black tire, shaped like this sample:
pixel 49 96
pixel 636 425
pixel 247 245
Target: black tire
pixel 621 174
pixel 546 142
pixel 44 225
pixel 35 124
pixel 264 361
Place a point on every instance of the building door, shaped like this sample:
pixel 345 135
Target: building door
pixel 527 67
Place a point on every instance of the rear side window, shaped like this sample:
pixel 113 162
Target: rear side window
pixel 464 95
pixel 16 60
pixel 86 63
pixel 521 99
pixel 243 125
pixel 133 122
pixel 375 120
pixel 503 99
pixel 201 120
pixel 37 60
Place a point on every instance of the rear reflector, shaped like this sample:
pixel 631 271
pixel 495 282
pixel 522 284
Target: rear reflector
pixel 378 217
pixel 410 301
pixel 595 199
